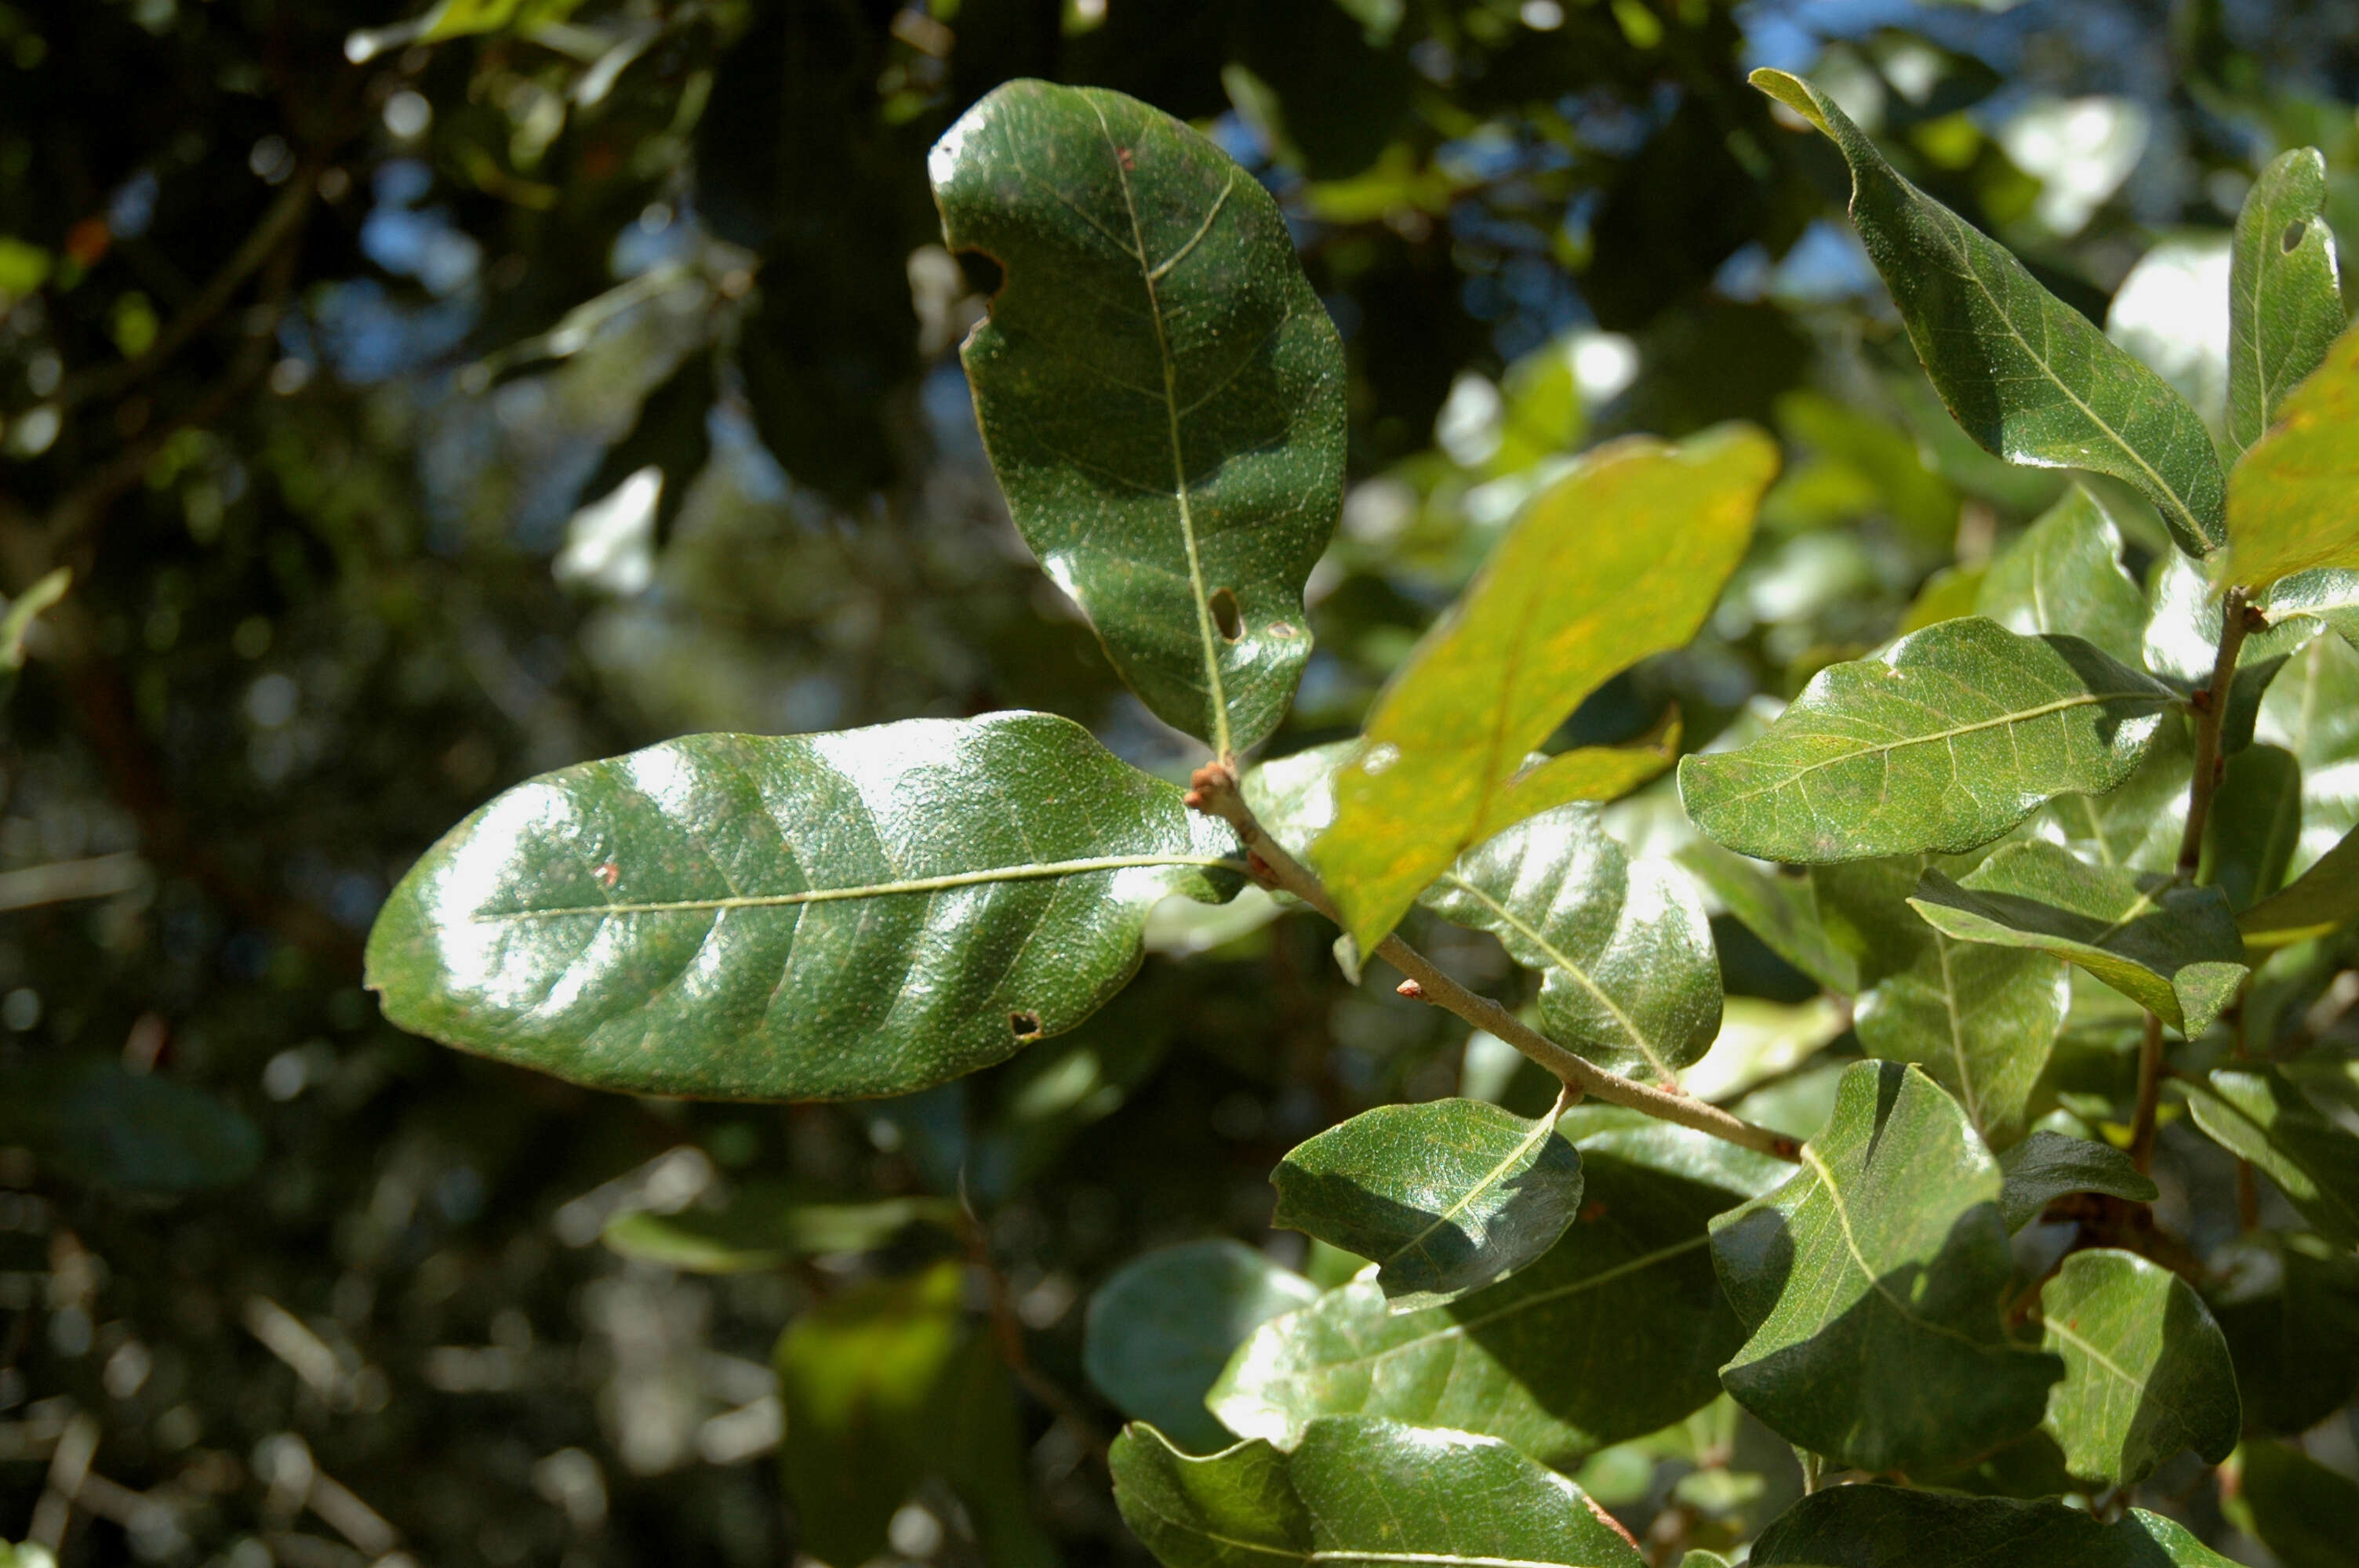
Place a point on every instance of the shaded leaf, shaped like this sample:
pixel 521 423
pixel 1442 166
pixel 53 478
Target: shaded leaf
pixel 2171 948
pixel 1953 736
pixel 1782 909
pixel 2315 903
pixel 2139 824
pixel 2254 825
pixel 1541 1359
pixel 2065 575
pixel 816 917
pixel 2146 1371
pixel 1871 1282
pixel 2049 1166
pixel 100 1122
pixel 2312 710
pixel 2285 300
pixel 1360 1491
pixel 2028 376
pixel 1164 1323
pixel 2288 500
pixel 1447 1196
pixel 1622 558
pixel 1623 945
pixel 764 1228
pixel 2289 1308
pixel 2260 1116
pixel 1160 391
pixel 1882 1527
pixel 2305 1513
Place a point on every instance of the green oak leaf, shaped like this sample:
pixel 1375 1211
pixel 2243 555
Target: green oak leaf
pixel 807 917
pixel 2049 1166
pixel 1946 741
pixel 1359 1491
pixel 2327 594
pixel 2139 824
pixel 765 1227
pixel 2316 901
pixel 1163 1325
pixel 2255 826
pixel 1622 558
pixel 1447 1196
pixel 2312 710
pixel 2146 1371
pixel 2029 377
pixel 1885 1527
pixel 2259 1116
pixel 2288 499
pixel 1779 908
pixel 1628 972
pixel 1541 1360
pixel 1160 389
pixel 2290 1307
pixel 2065 575
pixel 2285 298
pixel 2306 1514
pixel 2171 948
pixel 2183 642
pixel 1871 1282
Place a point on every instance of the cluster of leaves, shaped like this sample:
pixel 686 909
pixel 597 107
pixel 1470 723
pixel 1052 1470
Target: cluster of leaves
pixel 2060 776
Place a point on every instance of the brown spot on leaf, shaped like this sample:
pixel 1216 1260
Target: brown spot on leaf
pixel 1025 1024
pixel 609 874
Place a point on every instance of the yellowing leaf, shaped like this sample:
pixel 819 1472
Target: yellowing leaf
pixel 2290 500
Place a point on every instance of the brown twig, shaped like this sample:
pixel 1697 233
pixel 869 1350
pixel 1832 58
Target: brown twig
pixel 1215 794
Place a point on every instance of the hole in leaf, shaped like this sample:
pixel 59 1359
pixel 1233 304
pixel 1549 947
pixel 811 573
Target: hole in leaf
pixel 1225 616
pixel 2294 232
pixel 1025 1024
pixel 982 273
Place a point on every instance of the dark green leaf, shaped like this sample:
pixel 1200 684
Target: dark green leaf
pixel 808 917
pixel 2171 948
pixel 2029 377
pixel 1780 909
pixel 1953 736
pixel 1622 558
pixel 765 1227
pixel 1360 1492
pixel 2260 1116
pixel 1448 1196
pixel 2255 826
pixel 1885 1527
pixel 2285 300
pixel 2049 1166
pixel 2145 1372
pixel 2139 824
pixel 2316 901
pixel 2288 499
pixel 100 1122
pixel 2312 710
pixel 1541 1360
pixel 2065 576
pixel 2305 1513
pixel 1163 1325
pixel 1160 390
pixel 2289 1308
pixel 1871 1282
pixel 1624 947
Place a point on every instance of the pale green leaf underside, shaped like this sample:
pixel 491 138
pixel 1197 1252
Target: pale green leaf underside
pixel 2285 300
pixel 1359 1491
pixel 1448 1196
pixel 1886 1527
pixel 1629 975
pixel 2146 1371
pixel 2171 948
pixel 1950 738
pixel 2049 1166
pixel 2260 1116
pixel 1160 391
pixel 1872 1283
pixel 1163 1325
pixel 817 917
pixel 2031 379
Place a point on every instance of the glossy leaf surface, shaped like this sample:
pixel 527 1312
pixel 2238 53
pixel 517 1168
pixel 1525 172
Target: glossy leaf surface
pixel 2030 378
pixel 2049 1166
pixel 2285 297
pixel 2327 594
pixel 808 917
pixel 2171 948
pixel 1885 1526
pixel 2288 500
pixel 2315 903
pixel 1164 1323
pixel 1956 734
pixel 1160 391
pixel 1358 1493
pixel 1871 1283
pixel 2065 576
pixel 2305 1513
pixel 1541 1360
pixel 1628 974
pixel 2260 1116
pixel 1622 558
pixel 1447 1196
pixel 2146 1371
pixel 2139 824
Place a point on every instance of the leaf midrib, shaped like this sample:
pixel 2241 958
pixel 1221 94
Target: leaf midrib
pixel 1541 1131
pixel 1874 1283
pixel 1558 957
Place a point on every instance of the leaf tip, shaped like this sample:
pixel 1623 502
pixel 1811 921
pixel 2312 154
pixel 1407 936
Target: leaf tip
pixel 1793 92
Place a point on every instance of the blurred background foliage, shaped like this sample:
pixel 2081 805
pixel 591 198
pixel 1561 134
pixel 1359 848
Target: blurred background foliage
pixel 423 401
